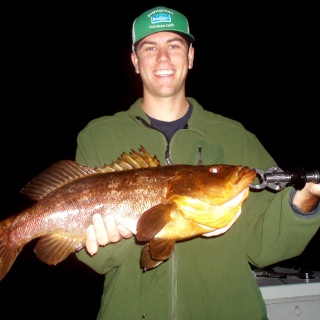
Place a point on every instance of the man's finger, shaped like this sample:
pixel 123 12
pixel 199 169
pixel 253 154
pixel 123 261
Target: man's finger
pixel 125 233
pixel 111 229
pixel 102 234
pixel 91 241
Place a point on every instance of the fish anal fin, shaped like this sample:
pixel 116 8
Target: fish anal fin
pixel 153 220
pixel 155 252
pixel 55 248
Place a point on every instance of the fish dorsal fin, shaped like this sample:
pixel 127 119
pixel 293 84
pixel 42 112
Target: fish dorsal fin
pixel 66 171
pixel 57 175
pixel 134 160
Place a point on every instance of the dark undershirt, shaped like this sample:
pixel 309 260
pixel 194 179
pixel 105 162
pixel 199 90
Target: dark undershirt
pixel 169 128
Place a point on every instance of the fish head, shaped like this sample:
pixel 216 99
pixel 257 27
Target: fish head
pixel 211 196
pixel 221 183
pixel 215 184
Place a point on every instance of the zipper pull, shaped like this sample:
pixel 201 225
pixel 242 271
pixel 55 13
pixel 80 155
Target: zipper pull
pixel 199 157
pixel 167 155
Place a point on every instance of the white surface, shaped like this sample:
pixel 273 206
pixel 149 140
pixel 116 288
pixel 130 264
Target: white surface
pixel 291 298
pixel 290 290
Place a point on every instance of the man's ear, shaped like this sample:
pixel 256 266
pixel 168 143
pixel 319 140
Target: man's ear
pixel 134 59
pixel 190 57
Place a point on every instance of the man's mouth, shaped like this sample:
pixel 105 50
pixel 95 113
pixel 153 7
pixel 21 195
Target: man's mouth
pixel 164 73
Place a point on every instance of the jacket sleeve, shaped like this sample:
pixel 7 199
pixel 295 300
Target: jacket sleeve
pixel 110 256
pixel 85 152
pixel 276 231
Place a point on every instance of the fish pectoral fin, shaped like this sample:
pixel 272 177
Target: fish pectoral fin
pixel 155 252
pixel 55 248
pixel 153 220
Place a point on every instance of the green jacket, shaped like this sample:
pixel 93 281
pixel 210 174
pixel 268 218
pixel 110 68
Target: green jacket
pixel 205 278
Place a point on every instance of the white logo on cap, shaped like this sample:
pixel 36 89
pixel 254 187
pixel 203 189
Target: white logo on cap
pixel 163 17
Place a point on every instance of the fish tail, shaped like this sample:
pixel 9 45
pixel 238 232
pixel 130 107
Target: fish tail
pixel 8 250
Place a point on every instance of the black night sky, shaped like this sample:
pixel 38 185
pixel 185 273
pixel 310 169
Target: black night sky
pixel 67 64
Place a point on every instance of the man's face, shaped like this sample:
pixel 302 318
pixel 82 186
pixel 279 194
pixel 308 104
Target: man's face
pixel 163 60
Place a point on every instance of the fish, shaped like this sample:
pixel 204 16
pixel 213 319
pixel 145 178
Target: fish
pixel 160 205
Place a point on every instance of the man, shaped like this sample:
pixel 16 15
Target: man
pixel 205 278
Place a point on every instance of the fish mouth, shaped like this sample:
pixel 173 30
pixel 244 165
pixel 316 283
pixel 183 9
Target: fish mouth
pixel 242 177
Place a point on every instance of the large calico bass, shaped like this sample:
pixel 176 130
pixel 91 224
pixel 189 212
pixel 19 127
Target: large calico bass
pixel 159 204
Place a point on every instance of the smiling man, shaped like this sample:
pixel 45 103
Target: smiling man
pixel 206 277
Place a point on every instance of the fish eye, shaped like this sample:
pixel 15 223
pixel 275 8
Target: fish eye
pixel 214 170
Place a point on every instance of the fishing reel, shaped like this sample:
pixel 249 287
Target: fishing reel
pixel 276 179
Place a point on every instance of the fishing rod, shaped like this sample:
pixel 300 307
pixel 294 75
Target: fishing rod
pixel 276 179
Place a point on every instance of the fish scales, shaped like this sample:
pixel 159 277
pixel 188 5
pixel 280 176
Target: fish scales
pixel 159 204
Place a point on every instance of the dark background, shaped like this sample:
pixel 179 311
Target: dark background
pixel 67 64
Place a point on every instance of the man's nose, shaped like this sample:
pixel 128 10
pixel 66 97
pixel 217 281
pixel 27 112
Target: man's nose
pixel 163 54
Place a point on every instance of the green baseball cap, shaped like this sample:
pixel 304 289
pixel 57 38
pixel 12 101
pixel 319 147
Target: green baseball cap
pixel 160 19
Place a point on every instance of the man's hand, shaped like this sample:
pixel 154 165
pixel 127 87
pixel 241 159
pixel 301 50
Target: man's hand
pixel 103 232
pixel 307 198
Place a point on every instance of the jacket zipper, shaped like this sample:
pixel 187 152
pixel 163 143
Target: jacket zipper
pixel 199 156
pixel 173 257
pixel 174 285
pixel 167 152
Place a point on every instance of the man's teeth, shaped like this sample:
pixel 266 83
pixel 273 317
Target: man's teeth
pixel 163 72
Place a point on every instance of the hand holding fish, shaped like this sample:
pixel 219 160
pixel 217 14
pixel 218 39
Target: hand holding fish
pixel 104 231
pixel 134 195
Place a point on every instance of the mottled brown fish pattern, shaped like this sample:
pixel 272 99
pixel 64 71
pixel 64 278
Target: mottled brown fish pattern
pixel 159 204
